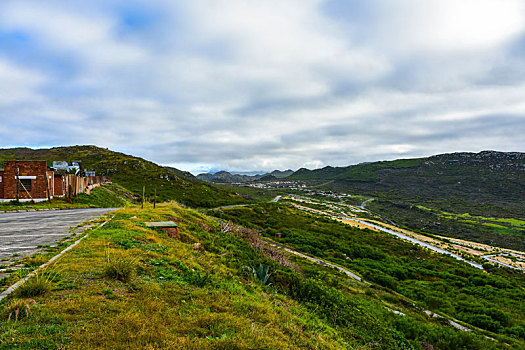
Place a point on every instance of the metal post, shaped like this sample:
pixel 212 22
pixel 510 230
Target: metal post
pixel 143 191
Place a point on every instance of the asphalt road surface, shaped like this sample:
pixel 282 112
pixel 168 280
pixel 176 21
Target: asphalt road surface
pixel 22 233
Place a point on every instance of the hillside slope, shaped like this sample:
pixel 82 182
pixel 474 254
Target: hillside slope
pixel 474 196
pixel 487 178
pixel 205 289
pixel 133 173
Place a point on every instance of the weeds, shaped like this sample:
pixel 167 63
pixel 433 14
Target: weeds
pixel 120 268
pixel 36 260
pixel 197 278
pixel 18 308
pixel 253 238
pixel 42 283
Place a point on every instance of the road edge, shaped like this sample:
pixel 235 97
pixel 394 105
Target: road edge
pixel 15 286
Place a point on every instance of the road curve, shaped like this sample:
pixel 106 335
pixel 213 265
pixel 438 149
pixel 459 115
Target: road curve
pixel 276 199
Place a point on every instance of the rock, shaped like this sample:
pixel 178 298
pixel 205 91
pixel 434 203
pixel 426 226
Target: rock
pixel 198 247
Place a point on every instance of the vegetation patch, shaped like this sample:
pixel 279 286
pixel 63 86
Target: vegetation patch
pixel 431 281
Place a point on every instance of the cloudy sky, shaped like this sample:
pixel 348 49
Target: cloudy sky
pixel 264 84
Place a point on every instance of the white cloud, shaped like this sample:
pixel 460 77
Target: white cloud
pixel 18 84
pixel 88 37
pixel 431 26
pixel 246 84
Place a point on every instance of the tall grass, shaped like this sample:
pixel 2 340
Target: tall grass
pixel 18 308
pixel 120 268
pixel 42 283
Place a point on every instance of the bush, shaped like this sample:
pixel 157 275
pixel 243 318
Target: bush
pixel 197 278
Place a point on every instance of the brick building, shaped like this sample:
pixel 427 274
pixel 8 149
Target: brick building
pixel 35 181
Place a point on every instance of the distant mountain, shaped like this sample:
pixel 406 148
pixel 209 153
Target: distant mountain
pixel 268 177
pixel 226 177
pixel 133 173
pixel 281 174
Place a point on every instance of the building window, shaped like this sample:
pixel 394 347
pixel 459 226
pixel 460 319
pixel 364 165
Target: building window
pixel 25 184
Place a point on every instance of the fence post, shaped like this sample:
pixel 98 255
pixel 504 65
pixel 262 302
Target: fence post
pixel 47 187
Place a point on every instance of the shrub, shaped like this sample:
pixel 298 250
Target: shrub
pixel 262 273
pixel 197 278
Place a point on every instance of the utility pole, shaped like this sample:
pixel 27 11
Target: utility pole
pixel 155 198
pixel 143 191
pixel 17 184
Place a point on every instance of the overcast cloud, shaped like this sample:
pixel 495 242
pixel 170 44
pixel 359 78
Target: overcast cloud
pixel 262 85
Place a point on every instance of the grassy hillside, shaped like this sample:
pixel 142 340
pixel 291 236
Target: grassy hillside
pixel 366 172
pixel 133 173
pixel 128 287
pixel 491 301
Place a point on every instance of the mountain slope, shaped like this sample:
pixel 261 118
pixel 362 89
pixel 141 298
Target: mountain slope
pixel 474 196
pixel 226 177
pixel 488 177
pixel 133 173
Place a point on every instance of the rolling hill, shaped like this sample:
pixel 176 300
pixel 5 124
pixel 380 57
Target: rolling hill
pixel 486 178
pixel 133 173
pixel 226 177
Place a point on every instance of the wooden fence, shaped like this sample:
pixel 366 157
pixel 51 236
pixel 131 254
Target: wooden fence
pixel 74 185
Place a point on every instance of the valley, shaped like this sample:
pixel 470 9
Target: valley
pixel 276 262
pixel 472 252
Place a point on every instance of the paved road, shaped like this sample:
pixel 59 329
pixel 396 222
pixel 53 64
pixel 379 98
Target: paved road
pixel 416 241
pixel 22 233
pixel 362 206
pixel 317 260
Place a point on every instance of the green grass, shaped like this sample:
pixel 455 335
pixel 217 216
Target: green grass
pixel 186 298
pixel 258 194
pixel 40 284
pixel 180 298
pixel 106 196
pixel 491 301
